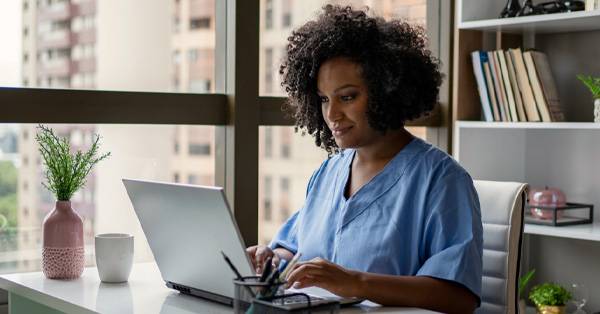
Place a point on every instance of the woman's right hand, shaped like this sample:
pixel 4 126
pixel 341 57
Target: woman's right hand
pixel 259 255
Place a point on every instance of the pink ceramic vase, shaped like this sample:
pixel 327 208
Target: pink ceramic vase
pixel 63 254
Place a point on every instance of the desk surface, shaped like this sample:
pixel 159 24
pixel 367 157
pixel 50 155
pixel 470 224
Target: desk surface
pixel 144 293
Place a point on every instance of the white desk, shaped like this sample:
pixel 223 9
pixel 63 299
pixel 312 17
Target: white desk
pixel 144 293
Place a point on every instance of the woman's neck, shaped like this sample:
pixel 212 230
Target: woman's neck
pixel 385 148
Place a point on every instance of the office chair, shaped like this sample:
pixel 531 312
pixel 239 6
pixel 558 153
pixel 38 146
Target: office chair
pixel 502 205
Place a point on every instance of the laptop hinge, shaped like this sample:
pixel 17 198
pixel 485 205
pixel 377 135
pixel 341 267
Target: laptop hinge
pixel 200 293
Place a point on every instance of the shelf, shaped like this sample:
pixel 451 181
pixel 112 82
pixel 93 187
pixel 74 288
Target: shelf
pixel 582 232
pixel 528 125
pixel 547 23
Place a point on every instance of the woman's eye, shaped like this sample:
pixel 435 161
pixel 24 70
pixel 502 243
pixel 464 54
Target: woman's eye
pixel 324 99
pixel 347 98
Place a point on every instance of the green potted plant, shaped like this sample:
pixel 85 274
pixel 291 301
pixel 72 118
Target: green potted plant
pixel 550 298
pixel 523 281
pixel 63 250
pixel 593 84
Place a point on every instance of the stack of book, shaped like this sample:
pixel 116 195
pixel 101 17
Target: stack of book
pixel 516 86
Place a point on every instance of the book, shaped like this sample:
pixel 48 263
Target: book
pixel 516 92
pixel 544 73
pixel 536 87
pixel 523 81
pixel 476 57
pixel 497 88
pixel 490 88
pixel 512 106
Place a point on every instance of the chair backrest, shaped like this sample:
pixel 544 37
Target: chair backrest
pixel 502 205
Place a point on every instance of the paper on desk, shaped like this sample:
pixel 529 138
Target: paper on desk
pixel 320 292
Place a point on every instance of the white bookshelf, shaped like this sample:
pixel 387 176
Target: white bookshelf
pixel 589 232
pixel 529 125
pixel 548 23
pixel 565 155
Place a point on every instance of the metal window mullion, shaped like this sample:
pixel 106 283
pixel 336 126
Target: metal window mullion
pixel 36 105
pixel 237 163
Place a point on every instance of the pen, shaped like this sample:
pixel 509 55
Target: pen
pixel 237 273
pixel 266 269
pixel 289 266
pixel 282 265
pixel 271 285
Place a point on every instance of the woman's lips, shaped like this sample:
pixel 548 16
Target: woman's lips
pixel 340 131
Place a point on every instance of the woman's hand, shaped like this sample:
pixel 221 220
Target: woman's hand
pixel 327 275
pixel 259 255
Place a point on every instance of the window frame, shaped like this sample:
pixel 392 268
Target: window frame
pixel 236 109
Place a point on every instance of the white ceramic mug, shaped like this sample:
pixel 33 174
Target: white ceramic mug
pixel 114 256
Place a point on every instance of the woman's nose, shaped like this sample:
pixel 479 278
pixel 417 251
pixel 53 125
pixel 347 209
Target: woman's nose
pixel 334 112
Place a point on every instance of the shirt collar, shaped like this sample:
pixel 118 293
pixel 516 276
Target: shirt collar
pixel 379 184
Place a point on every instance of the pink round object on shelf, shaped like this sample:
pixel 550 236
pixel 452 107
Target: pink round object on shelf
pixel 547 197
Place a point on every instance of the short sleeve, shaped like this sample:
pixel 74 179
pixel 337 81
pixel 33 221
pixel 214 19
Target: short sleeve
pixel 287 236
pixel 453 245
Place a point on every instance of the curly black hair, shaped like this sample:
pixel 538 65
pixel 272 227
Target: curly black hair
pixel 402 77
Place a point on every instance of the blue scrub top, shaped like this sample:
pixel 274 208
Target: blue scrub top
pixel 419 216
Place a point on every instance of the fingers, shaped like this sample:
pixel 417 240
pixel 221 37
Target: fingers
pixel 305 272
pixel 251 251
pixel 275 260
pixel 260 256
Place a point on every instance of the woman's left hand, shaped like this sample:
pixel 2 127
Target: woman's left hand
pixel 327 275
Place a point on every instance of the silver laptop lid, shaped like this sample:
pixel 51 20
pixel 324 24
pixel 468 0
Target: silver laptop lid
pixel 187 227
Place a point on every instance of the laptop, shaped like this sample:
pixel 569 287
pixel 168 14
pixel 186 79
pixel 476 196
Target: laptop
pixel 187 227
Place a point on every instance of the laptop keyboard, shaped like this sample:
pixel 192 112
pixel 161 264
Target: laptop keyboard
pixel 296 299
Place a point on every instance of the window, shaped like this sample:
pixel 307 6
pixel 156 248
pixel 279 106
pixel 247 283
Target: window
pixel 297 168
pixel 139 36
pixel 267 209
pixel 176 57
pixel 285 185
pixel 199 23
pixel 192 179
pixel 286 15
pixel 273 38
pixel 159 139
pixel 176 24
pixel 192 55
pixel 199 149
pixel 133 155
pixel 268 140
pixel 269 14
pixel 268 70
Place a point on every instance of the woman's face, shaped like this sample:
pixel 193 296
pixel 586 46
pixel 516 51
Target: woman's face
pixel 343 94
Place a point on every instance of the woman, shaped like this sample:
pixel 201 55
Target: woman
pixel 387 217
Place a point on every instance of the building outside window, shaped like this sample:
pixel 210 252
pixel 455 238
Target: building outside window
pixel 199 23
pixel 269 14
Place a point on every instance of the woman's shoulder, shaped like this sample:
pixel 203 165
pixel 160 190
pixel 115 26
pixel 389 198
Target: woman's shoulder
pixel 437 163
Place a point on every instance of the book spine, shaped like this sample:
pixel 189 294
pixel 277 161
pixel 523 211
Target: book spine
pixel 490 88
pixel 524 87
pixel 515 86
pixel 509 92
pixel 537 88
pixel 497 89
pixel 481 86
pixel 544 74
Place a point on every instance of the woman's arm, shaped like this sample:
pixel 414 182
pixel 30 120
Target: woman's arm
pixel 411 291
pixel 416 291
